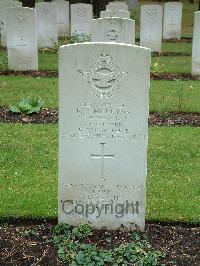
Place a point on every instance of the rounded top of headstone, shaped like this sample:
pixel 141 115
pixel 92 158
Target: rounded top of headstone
pixel 106 44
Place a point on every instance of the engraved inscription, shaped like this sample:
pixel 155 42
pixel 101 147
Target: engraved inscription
pixel 151 12
pixel 102 156
pixel 20 18
pixel 45 10
pixel 104 77
pixel 81 12
pixel 103 121
pixel 113 31
pixel 112 35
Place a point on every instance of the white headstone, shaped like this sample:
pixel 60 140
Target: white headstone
pixel 120 30
pixel 132 4
pixel 121 3
pixel 22 39
pixel 196 45
pixel 151 27
pixel 81 16
pixel 63 17
pixel 103 134
pixel 172 20
pixel 118 13
pixel 47 28
pixel 3 7
pixel 115 7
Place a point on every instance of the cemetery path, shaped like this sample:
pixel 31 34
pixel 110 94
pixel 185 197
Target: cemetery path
pixel 47 116
pixel 29 243
pixel 52 74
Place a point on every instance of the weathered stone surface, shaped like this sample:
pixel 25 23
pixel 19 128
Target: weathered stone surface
pixel 103 134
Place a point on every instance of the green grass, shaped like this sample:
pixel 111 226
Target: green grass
pixel 166 96
pixel 173 191
pixel 28 183
pixel 48 61
pixel 177 47
pixel 13 89
pixel 174 64
pixel 171 64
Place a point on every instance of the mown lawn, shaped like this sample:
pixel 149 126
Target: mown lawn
pixel 28 183
pixel 164 95
pixel 174 64
pixel 178 47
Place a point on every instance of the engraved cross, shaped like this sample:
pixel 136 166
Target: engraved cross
pixel 102 156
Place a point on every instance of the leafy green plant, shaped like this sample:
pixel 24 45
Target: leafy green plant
pixel 82 231
pixel 27 106
pixel 3 61
pixel 74 251
pixel 157 68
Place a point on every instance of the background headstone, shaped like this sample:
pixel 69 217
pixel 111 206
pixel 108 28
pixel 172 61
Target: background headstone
pixel 118 13
pixel 103 134
pixel 81 16
pixel 172 20
pixel 115 7
pixel 120 30
pixel 196 45
pixel 3 7
pixel 63 17
pixel 132 4
pixel 47 27
pixel 22 39
pixel 151 27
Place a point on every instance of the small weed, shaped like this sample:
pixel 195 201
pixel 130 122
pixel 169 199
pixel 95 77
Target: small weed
pixel 27 106
pixel 157 68
pixel 163 108
pixel 180 97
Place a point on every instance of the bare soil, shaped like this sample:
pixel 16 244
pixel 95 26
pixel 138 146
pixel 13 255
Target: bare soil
pixel 53 74
pixel 179 242
pixel 46 116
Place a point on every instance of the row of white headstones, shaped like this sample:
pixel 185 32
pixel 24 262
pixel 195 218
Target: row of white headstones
pixel 81 16
pixel 25 30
